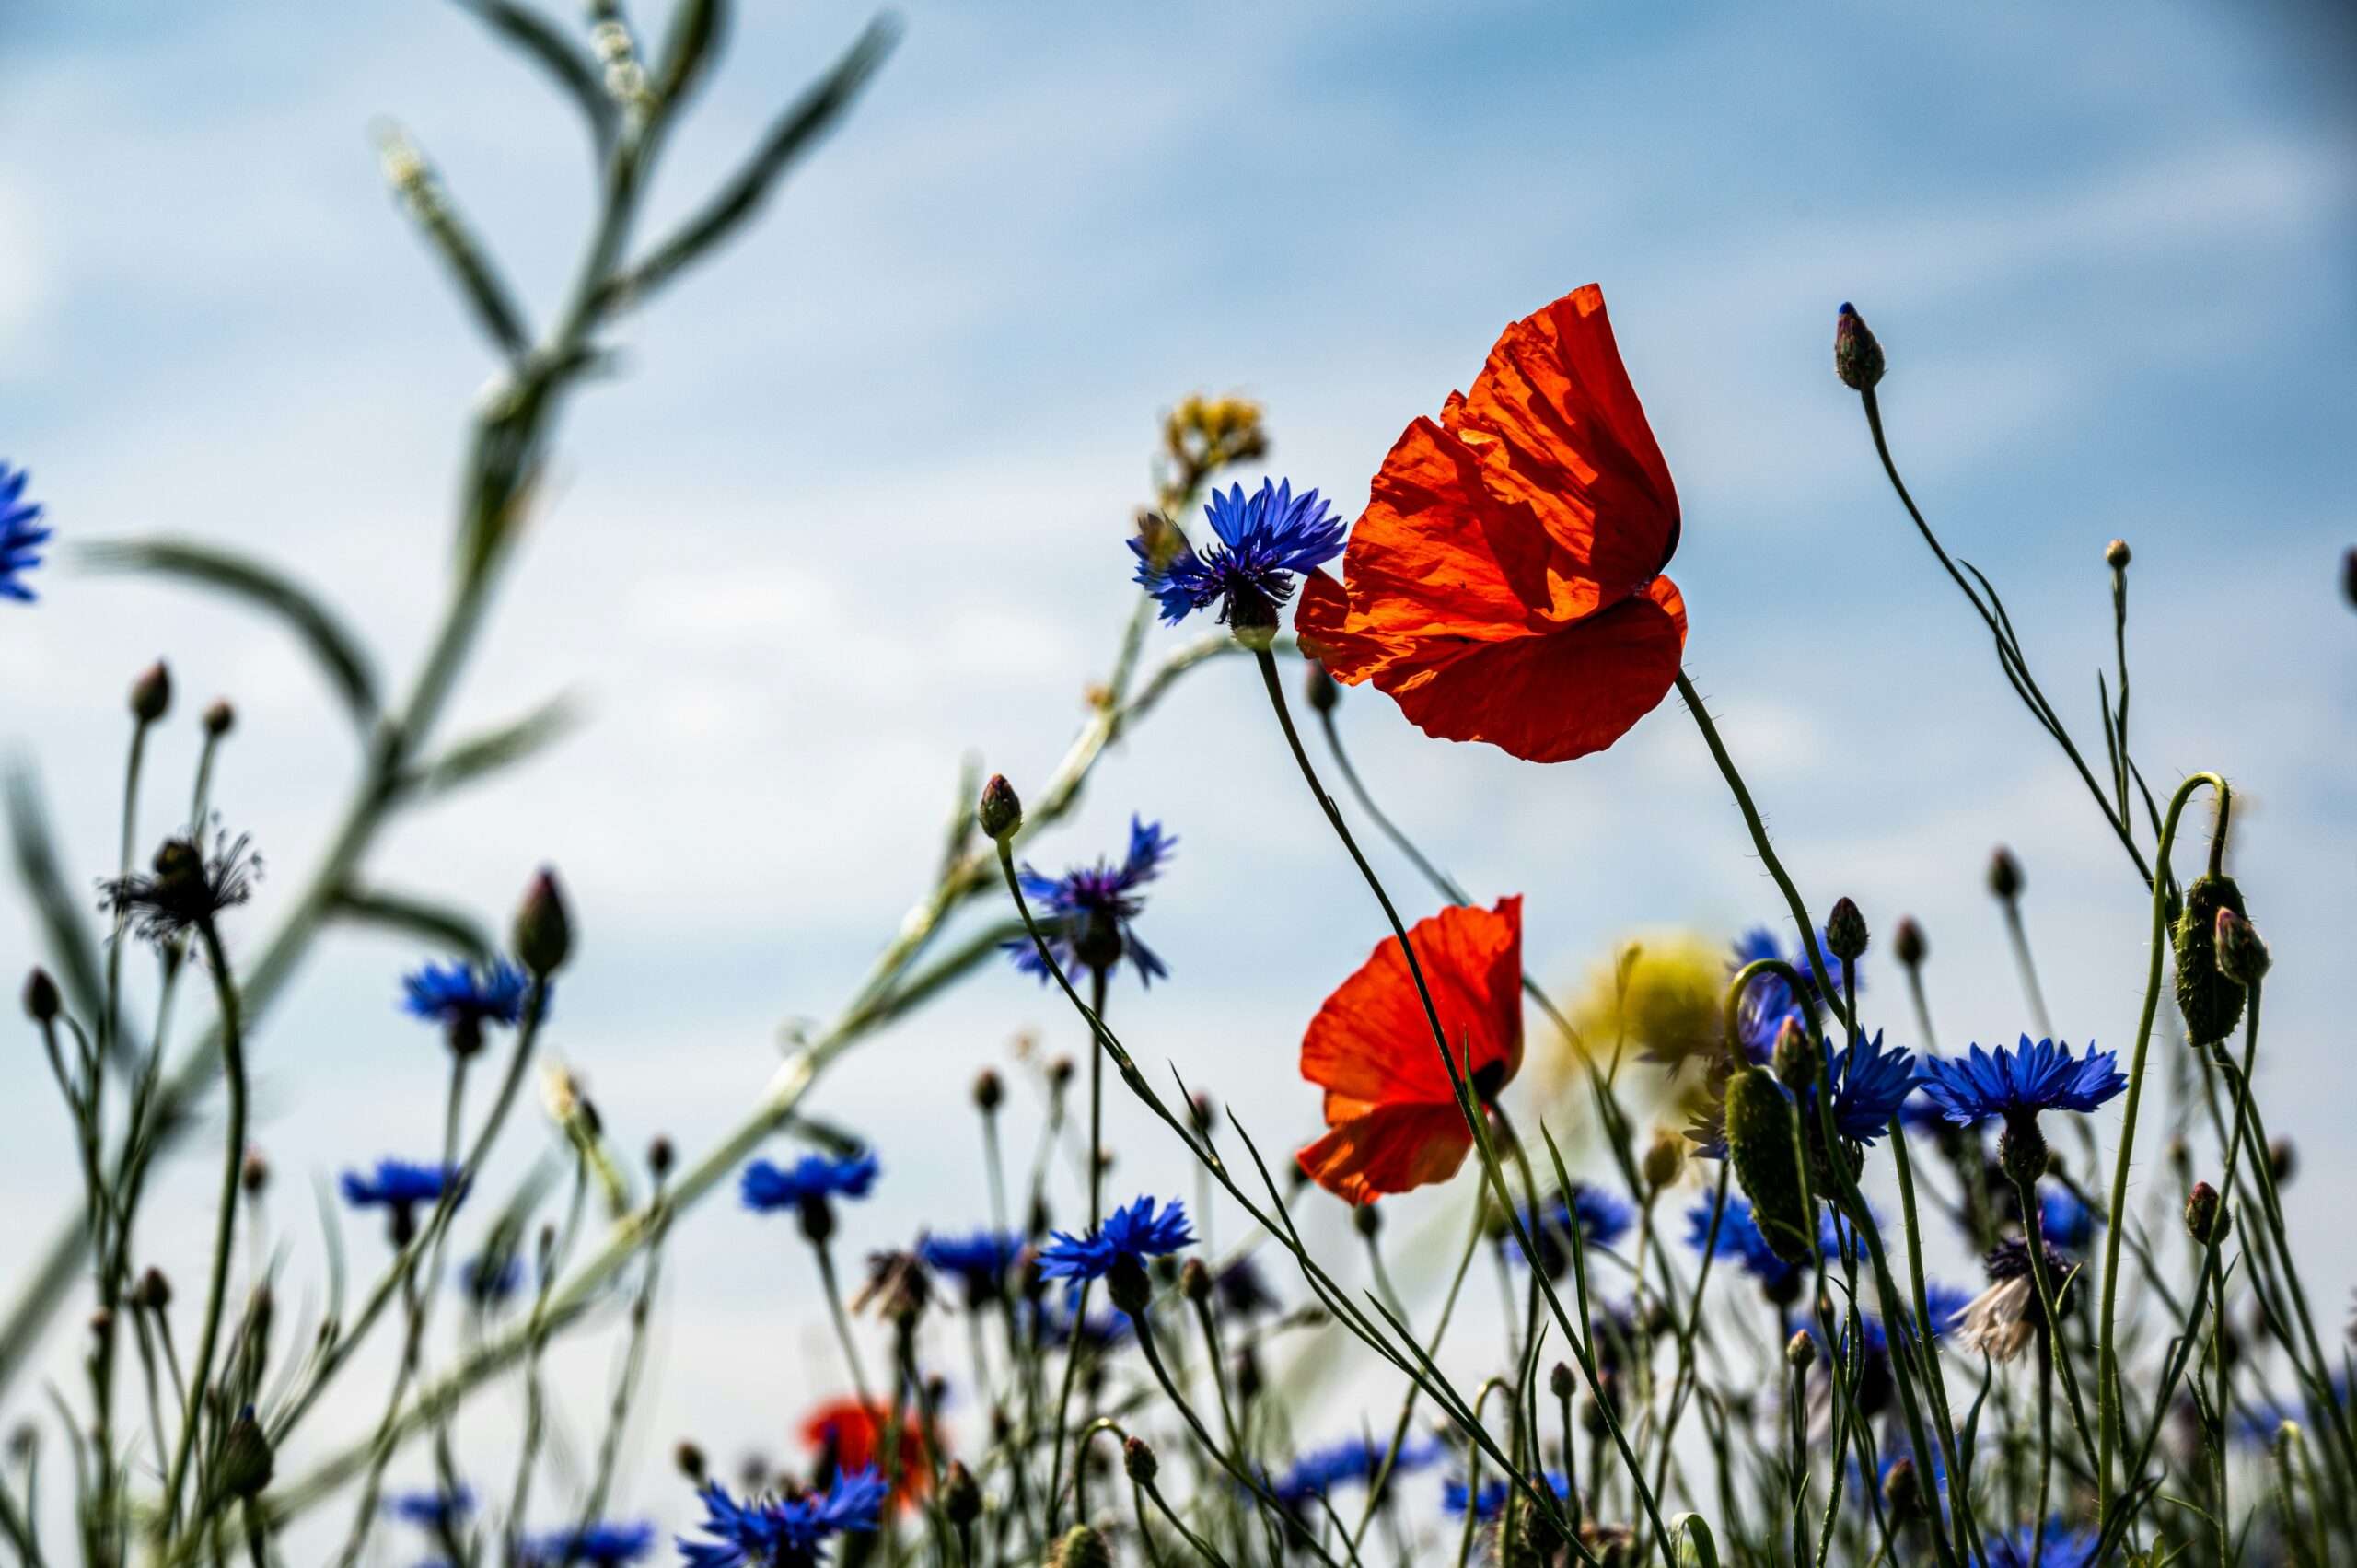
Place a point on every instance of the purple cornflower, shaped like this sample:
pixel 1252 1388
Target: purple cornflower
pixel 792 1533
pixel 21 536
pixel 1086 915
pixel 1264 540
pixel 463 997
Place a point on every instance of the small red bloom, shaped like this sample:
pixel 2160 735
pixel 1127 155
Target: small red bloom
pixel 1391 1115
pixel 1504 583
pixel 848 1435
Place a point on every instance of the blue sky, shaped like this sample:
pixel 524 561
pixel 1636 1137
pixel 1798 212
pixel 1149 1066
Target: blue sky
pixel 855 509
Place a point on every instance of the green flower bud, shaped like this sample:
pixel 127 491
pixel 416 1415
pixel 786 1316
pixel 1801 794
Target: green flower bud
pixel 2242 956
pixel 41 1001
pixel 220 719
pixel 961 1494
pixel 2116 555
pixel 1800 1351
pixel 1763 1140
pixel 2211 1003
pixel 246 1460
pixel 151 695
pixel 1857 357
pixel 1558 1381
pixel 1137 1460
pixel 543 935
pixel 2206 1218
pixel 1081 1548
pixel 1001 810
pixel 2004 874
pixel 1902 1493
pixel 1664 1160
pixel 1323 692
pixel 1908 943
pixel 1845 931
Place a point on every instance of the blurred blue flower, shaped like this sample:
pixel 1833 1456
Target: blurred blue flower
pixel 21 536
pixel 463 995
pixel 1741 1238
pixel 1134 1231
pixel 2022 1082
pixel 1085 914
pixel 1052 1326
pixel 980 1261
pixel 1590 1213
pixel 789 1534
pixel 766 1187
pixel 432 1511
pixel 1769 1000
pixel 1869 1085
pixel 1263 540
pixel 2064 1546
pixel 489 1281
pixel 400 1184
pixel 1490 1500
pixel 1354 1459
pixel 604 1545
pixel 2064 1221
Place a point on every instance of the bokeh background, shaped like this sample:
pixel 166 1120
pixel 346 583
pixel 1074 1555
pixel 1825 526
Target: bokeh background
pixel 856 510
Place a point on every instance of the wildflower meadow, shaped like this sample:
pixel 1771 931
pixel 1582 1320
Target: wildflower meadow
pixel 1424 1239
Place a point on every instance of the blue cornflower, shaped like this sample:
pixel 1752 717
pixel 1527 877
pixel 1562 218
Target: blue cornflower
pixel 1117 1251
pixel 1263 541
pixel 980 1262
pixel 1053 1326
pixel 1948 1304
pixel 2017 1084
pixel 1354 1459
pixel 401 1185
pixel 463 997
pixel 603 1545
pixel 1490 1500
pixel 1591 1213
pixel 1741 1238
pixel 2264 1418
pixel 1869 1085
pixel 1768 1000
pixel 2064 1546
pixel 1085 914
pixel 433 1511
pixel 790 1534
pixel 21 536
pixel 766 1187
pixel 2064 1221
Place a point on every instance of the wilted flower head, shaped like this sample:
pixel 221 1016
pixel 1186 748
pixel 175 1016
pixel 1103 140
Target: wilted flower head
pixel 1086 915
pixel 184 889
pixel 1997 1322
pixel 21 536
pixel 1265 540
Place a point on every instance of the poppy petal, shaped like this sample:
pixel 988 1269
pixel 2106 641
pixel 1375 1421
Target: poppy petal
pixel 1371 1044
pixel 1552 698
pixel 1389 1149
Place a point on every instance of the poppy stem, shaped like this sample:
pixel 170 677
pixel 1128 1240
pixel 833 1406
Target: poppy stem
pixel 1801 920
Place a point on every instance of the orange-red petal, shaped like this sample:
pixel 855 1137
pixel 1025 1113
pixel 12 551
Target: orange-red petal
pixel 1371 1045
pixel 1388 1149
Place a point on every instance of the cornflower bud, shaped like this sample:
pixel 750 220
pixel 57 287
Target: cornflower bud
pixel 999 811
pixel 2004 874
pixel 151 695
pixel 1060 1074
pixel 254 1174
pixel 1558 1381
pixel 1663 1160
pixel 41 1001
pixel 1845 931
pixel 153 1293
pixel 1139 1461
pixel 659 1156
pixel 1857 357
pixel 2283 1161
pixel 1081 1548
pixel 220 719
pixel 690 1461
pixel 543 935
pixel 1800 1352
pixel 1907 942
pixel 1901 1492
pixel 961 1495
pixel 246 1460
pixel 988 1091
pixel 1323 692
pixel 2242 956
pixel 2116 555
pixel 1195 1281
pixel 1794 1061
pixel 2206 1217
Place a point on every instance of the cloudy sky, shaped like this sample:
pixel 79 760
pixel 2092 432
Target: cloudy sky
pixel 853 511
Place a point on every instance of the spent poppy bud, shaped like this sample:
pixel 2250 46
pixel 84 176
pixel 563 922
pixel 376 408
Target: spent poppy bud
pixel 2206 1219
pixel 151 695
pixel 690 1461
pixel 2242 956
pixel 1845 931
pixel 2209 1001
pixel 1137 1460
pixel 1558 1381
pixel 2004 874
pixel 1907 942
pixel 988 1091
pixel 1857 357
pixel 40 996
pixel 1081 1548
pixel 1763 1139
pixel 2116 555
pixel 961 1494
pixel 246 1463
pixel 543 931
pixel 999 811
pixel 1800 1352
pixel 1324 692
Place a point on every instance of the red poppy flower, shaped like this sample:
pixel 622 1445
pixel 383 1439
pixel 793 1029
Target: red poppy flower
pixel 1504 583
pixel 848 1435
pixel 1391 1115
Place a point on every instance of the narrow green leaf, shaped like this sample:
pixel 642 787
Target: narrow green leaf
pixel 794 133
pixel 331 646
pixel 478 755
pixel 567 64
pixel 436 924
pixel 65 933
pixel 427 201
pixel 1697 1548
